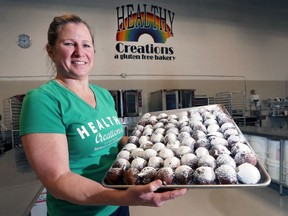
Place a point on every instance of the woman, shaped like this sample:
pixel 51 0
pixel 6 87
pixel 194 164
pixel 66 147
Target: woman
pixel 70 132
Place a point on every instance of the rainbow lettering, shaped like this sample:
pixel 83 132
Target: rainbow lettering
pixel 142 22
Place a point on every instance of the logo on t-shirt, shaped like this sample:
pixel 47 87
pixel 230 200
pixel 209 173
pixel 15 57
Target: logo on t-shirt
pixel 106 131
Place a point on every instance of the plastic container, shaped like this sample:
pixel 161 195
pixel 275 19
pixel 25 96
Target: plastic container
pixel 273 149
pixel 285 171
pixel 285 152
pixel 273 168
pixel 259 144
pixel 262 159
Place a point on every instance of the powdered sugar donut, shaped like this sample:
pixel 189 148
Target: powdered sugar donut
pixel 195 116
pixel 147 175
pixel 173 145
pixel 183 175
pixel 218 141
pixel 213 128
pixel 183 135
pixel 147 132
pixel 230 132
pixel 225 159
pixel 133 139
pixel 204 175
pixel 166 175
pixel 248 174
pixel 114 176
pixel 146 145
pixel 170 137
pixel 138 163
pixel 182 150
pixel 172 162
pixel 210 121
pixel 139 127
pixel 227 125
pixel 124 154
pixel 136 133
pixel 152 120
pixel 190 159
pixel 233 139
pixel 130 176
pixel 207 160
pixel 138 152
pixel 156 162
pixel 129 147
pixel 198 134
pixel 187 129
pixel 169 125
pixel 157 137
pixel 158 146
pixel 245 157
pixel 158 125
pixel 173 130
pixel 223 118
pixel 217 150
pixel 148 153
pixel 166 153
pixel 121 163
pixel 162 116
pixel 188 141
pixel 160 131
pixel 240 147
pixel 203 142
pixel 226 174
pixel 143 140
pixel 201 151
pixel 172 117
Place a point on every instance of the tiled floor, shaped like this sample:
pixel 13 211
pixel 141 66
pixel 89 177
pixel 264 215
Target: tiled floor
pixel 221 202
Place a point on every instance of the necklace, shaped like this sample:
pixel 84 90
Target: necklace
pixel 91 102
pixel 65 85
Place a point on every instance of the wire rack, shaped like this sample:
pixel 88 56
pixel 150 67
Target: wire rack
pixel 235 103
pixel 15 104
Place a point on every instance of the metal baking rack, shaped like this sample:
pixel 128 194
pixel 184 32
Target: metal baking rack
pixel 203 100
pixel 235 104
pixel 15 104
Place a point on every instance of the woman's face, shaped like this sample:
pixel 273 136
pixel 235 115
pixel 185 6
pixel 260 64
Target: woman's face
pixel 73 54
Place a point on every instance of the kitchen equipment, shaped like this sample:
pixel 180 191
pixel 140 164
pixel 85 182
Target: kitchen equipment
pixel 235 104
pixel 169 99
pixel 278 106
pixel 128 103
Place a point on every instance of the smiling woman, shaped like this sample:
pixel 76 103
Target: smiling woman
pixel 71 133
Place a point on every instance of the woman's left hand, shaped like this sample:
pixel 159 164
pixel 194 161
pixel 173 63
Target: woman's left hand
pixel 147 195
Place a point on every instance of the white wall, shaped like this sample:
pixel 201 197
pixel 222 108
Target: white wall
pixel 221 38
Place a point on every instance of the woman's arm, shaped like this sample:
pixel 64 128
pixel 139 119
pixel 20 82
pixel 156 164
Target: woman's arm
pixel 48 156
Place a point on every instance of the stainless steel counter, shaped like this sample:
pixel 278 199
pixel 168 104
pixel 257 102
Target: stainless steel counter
pixel 19 186
pixel 273 133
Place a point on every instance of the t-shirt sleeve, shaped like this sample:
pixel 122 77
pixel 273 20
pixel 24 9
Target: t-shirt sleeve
pixel 40 113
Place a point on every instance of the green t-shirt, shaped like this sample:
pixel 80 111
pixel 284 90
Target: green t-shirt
pixel 93 135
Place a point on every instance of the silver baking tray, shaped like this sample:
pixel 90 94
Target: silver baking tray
pixel 263 182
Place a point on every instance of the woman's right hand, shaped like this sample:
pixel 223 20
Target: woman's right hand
pixel 147 195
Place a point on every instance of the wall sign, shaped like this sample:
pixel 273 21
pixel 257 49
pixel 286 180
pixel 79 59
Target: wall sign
pixel 135 20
